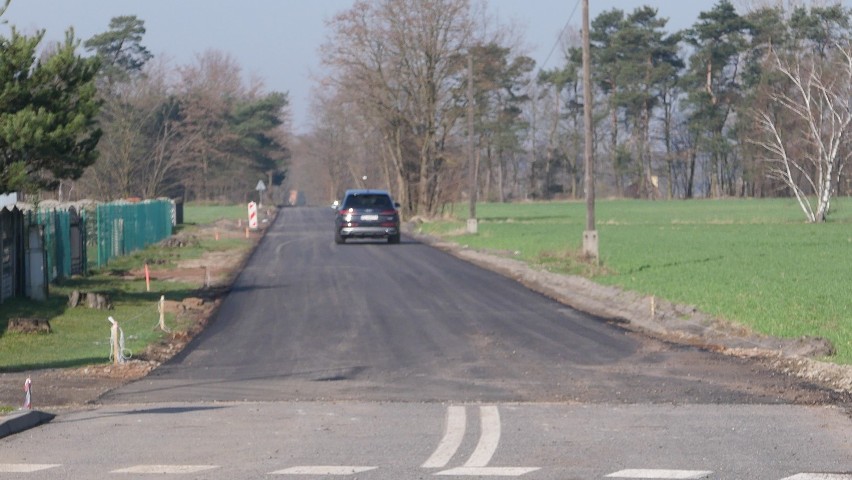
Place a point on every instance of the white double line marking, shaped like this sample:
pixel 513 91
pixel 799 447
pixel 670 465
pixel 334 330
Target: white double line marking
pixel 489 440
pixel 456 424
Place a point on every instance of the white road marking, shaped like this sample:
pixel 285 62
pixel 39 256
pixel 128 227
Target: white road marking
pixel 489 438
pixel 661 474
pixel 821 476
pixel 165 469
pixel 453 436
pixel 323 470
pixel 487 471
pixel 24 467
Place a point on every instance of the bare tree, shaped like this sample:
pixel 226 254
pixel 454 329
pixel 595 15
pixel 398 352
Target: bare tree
pixel 345 145
pixel 142 150
pixel 399 61
pixel 207 90
pixel 812 114
pixel 164 160
pixel 112 176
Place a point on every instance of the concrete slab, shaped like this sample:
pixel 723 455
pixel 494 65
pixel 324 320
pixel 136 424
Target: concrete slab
pixel 23 420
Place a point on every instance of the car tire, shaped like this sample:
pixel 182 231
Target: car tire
pixel 339 239
pixel 393 239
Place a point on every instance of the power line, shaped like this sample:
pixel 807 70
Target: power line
pixel 561 34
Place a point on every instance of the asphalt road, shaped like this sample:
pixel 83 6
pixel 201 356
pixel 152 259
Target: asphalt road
pixel 376 361
pixel 367 321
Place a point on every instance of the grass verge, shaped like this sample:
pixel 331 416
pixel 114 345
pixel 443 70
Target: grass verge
pixel 80 336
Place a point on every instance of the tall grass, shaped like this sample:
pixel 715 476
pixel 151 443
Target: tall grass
pixel 753 262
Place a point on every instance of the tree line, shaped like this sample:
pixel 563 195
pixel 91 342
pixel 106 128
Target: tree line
pixel 114 122
pixel 740 104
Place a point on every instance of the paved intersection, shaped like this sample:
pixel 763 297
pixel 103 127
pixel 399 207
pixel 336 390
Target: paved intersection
pixel 404 440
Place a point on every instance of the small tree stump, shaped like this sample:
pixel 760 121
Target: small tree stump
pixel 74 299
pixel 29 325
pixel 98 301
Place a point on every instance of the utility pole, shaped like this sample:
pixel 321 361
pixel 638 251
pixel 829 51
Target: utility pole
pixel 590 235
pixel 471 160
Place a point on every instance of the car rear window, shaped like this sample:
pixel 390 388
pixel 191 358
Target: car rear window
pixel 368 200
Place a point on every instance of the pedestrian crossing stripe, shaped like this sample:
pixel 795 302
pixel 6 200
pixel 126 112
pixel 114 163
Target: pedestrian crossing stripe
pixel 165 469
pixel 323 470
pixel 821 476
pixel 661 474
pixel 24 467
pixel 488 471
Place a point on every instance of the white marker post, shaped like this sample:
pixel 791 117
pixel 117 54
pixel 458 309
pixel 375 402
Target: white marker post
pixel 28 395
pixel 161 308
pixel 116 340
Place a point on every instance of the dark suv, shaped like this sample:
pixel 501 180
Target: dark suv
pixel 367 214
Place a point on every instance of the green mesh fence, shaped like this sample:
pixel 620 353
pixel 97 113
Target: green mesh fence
pixel 116 229
pixel 123 228
pixel 57 244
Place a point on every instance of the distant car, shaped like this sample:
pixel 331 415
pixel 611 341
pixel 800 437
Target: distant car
pixel 367 214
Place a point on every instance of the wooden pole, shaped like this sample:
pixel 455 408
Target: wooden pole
pixel 472 226
pixel 590 235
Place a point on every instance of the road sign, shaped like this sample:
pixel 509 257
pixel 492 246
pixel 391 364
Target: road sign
pixel 261 187
pixel 252 215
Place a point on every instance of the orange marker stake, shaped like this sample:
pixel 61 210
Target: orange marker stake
pixel 147 279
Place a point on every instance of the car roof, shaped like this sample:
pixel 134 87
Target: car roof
pixel 363 191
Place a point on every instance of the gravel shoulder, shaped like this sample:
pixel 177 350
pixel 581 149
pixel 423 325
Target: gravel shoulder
pixel 62 389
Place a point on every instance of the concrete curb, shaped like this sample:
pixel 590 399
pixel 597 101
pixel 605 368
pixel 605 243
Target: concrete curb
pixel 23 420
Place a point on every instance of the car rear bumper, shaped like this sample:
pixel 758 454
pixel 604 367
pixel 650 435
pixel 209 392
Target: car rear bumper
pixel 368 231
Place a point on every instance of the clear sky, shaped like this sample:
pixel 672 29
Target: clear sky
pixel 278 40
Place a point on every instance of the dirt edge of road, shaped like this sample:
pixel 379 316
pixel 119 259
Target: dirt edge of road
pixel 60 389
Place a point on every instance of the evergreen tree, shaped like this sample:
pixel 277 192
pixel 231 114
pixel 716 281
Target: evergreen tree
pixel 719 39
pixel 120 49
pixel 48 108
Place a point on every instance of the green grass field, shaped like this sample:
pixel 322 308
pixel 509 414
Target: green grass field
pixel 80 336
pixel 753 262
